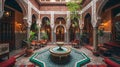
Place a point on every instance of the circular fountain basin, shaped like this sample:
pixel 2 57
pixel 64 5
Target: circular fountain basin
pixel 64 51
pixel 60 44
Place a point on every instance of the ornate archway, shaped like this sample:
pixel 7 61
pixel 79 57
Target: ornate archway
pixel 108 10
pixel 74 30
pixel 46 27
pixel 116 24
pixel 12 25
pixel 60 23
pixel 60 32
pixel 88 30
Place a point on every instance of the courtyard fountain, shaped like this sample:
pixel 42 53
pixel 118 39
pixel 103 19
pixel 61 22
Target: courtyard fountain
pixel 59 56
pixel 60 51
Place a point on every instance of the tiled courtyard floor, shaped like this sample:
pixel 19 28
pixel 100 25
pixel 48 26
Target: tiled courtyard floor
pixel 25 60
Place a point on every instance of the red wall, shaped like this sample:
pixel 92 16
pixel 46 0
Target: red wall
pixel 53 7
pixel 35 3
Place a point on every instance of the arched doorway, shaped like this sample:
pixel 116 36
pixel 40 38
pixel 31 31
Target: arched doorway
pixel 12 27
pixel 74 30
pixel 46 27
pixel 110 21
pixel 116 23
pixel 60 29
pixel 109 13
pixel 33 29
pixel 88 30
pixel 60 33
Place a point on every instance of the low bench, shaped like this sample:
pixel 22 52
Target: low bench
pixel 111 63
pixel 113 44
pixel 4 50
pixel 113 47
pixel 8 63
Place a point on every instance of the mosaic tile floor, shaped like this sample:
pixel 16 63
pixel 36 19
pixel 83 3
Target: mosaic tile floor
pixel 69 61
pixel 94 60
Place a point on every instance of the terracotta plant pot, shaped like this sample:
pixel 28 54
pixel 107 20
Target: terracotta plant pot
pixel 29 51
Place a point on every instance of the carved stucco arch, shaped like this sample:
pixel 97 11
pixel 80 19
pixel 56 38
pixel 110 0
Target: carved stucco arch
pixel 37 18
pixel 64 31
pixel 100 7
pixel 44 17
pixel 99 11
pixel 23 6
pixel 60 25
pixel 84 18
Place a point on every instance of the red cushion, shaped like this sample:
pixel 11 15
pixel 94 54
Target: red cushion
pixel 22 66
pixel 102 65
pixel 111 63
pixel 113 44
pixel 8 63
pixel 31 65
pixel 89 47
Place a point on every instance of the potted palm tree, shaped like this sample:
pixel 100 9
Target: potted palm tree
pixel 29 49
pixel 44 34
pixel 45 38
pixel 74 7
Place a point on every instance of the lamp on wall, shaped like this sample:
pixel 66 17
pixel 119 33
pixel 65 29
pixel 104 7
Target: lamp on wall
pixel 101 27
pixel 18 27
pixel 7 13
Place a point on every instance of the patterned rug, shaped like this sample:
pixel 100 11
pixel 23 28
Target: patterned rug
pixel 30 65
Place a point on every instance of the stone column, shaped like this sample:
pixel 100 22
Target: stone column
pixel 95 39
pixel 39 26
pixel 94 23
pixel 39 32
pixel 81 25
pixel 52 32
pixel 1 8
pixel 67 36
pixel 81 31
pixel 68 26
pixel 81 34
pixel 28 32
pixel 29 20
pixel 54 37
pixel 52 27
